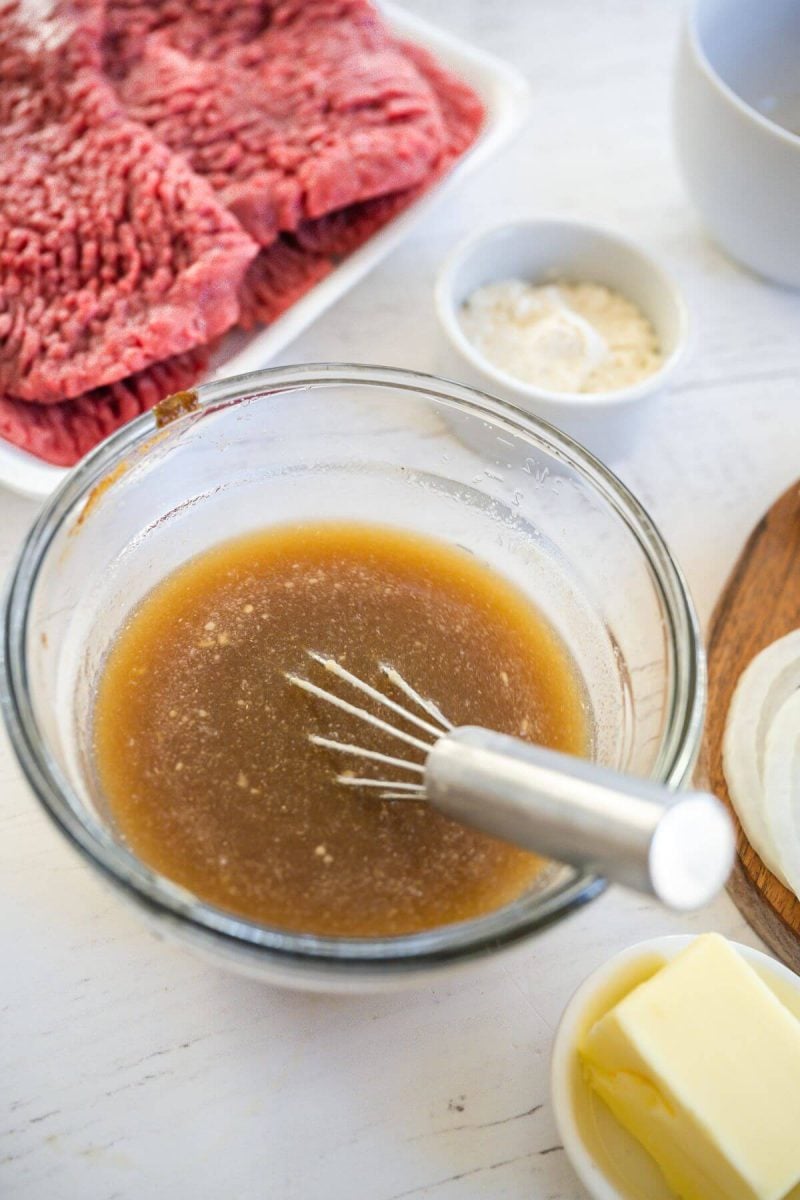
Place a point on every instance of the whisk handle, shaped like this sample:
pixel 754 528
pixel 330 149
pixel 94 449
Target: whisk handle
pixel 678 846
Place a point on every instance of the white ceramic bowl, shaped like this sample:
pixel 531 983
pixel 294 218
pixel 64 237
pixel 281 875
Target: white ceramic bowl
pixel 609 1162
pixel 541 250
pixel 736 78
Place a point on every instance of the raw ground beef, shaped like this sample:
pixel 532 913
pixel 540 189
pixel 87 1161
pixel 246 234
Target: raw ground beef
pixel 280 275
pixel 113 253
pixel 63 433
pixel 277 278
pixel 339 233
pixel 118 263
pixel 290 109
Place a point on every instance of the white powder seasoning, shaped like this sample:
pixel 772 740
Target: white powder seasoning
pixel 564 337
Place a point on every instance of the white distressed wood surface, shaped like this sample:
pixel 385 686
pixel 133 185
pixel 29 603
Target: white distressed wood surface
pixel 128 1070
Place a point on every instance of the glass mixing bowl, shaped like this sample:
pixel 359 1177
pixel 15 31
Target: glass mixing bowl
pixel 337 442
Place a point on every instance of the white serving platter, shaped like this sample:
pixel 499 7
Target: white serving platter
pixel 505 94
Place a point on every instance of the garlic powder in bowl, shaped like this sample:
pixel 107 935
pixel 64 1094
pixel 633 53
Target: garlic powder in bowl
pixel 566 318
pixel 565 337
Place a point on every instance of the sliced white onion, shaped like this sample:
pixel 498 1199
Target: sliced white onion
pixel 782 787
pixel 765 686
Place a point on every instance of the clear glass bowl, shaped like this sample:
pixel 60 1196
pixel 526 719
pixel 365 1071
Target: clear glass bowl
pixel 346 442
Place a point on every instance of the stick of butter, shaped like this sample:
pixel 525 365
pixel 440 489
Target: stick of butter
pixel 701 1064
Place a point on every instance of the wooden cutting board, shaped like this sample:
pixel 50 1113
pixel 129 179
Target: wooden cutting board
pixel 761 602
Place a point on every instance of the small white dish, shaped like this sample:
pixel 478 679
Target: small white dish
pixel 546 249
pixel 736 116
pixel 608 1160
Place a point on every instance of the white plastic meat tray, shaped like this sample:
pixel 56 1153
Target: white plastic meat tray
pixel 505 94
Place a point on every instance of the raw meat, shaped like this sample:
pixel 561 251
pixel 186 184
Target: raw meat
pixel 277 278
pixel 339 233
pixel 295 263
pixel 113 253
pixel 291 109
pixel 63 433
pixel 118 263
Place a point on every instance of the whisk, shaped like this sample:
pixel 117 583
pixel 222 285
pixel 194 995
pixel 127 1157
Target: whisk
pixel 677 846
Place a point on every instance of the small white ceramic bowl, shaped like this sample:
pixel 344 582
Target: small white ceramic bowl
pixel 736 80
pixel 545 249
pixel 609 1162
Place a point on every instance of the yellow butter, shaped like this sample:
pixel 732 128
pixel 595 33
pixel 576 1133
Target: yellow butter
pixel 701 1063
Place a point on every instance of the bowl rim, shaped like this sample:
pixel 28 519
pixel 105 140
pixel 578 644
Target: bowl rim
pixel 728 93
pixel 584 401
pixel 585 1165
pixel 159 896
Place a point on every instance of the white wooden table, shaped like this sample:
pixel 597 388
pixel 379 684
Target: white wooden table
pixel 129 1070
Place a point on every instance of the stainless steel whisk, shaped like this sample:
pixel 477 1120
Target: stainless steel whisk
pixel 678 846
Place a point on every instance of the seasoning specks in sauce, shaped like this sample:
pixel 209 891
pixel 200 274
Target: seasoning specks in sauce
pixel 201 744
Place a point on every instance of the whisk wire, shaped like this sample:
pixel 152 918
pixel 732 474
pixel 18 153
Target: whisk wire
pixel 388 789
pixel 360 752
pixel 426 705
pixel 335 668
pixel 356 781
pixel 361 713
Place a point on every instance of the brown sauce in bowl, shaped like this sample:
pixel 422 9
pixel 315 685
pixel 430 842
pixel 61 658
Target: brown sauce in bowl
pixel 201 747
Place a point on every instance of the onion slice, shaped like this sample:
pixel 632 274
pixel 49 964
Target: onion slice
pixel 764 687
pixel 782 787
